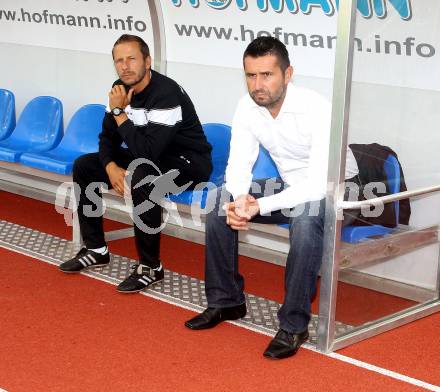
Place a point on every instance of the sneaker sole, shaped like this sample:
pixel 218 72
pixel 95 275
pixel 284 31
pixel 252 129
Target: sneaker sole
pixel 85 268
pixel 137 291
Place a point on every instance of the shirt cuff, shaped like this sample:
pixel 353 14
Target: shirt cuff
pixel 237 191
pixel 265 205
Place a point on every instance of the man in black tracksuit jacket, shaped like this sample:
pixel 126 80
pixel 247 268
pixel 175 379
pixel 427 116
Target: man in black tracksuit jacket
pixel 164 140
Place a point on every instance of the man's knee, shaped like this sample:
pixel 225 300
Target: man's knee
pixel 215 201
pixel 307 218
pixel 305 223
pixel 142 175
pixel 84 164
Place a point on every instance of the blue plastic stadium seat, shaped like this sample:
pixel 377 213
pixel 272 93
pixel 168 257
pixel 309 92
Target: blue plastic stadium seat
pixel 39 128
pixel 7 113
pixel 219 136
pixel 264 166
pixel 354 234
pixel 81 137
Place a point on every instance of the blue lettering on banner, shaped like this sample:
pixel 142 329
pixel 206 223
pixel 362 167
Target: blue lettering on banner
pixel 403 7
pixel 306 6
pixel 365 7
pixel 277 5
pixel 218 4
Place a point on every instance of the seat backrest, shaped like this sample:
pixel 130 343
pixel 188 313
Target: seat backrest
pixel 7 113
pixel 83 129
pixel 219 136
pixel 41 123
pixel 392 170
pixel 264 166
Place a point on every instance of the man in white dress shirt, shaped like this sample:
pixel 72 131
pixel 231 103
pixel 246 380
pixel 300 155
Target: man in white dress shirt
pixel 293 124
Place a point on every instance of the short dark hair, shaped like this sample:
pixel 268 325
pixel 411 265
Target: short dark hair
pixel 145 50
pixel 263 46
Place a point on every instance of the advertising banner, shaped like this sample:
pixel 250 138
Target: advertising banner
pixel 87 25
pixel 396 40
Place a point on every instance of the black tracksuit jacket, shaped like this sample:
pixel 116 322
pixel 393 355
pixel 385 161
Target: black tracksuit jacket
pixel 162 123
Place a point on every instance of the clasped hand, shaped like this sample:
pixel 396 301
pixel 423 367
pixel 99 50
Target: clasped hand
pixel 118 96
pixel 241 211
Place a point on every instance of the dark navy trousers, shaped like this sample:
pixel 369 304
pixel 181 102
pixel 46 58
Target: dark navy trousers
pixel 223 282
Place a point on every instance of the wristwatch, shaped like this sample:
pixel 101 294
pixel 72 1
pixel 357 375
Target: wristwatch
pixel 117 111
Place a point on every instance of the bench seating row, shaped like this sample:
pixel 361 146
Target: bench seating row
pixel 37 140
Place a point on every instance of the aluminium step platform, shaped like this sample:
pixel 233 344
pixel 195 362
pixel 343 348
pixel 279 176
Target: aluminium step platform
pixel 176 289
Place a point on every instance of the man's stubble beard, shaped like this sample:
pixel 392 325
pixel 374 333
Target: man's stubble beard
pixel 273 102
pixel 141 77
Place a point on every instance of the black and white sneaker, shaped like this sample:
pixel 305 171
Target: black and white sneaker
pixel 141 278
pixel 85 259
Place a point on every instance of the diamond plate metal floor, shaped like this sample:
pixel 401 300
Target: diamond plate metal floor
pixel 177 289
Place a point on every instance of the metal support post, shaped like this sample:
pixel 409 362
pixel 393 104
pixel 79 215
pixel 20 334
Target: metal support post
pixel 336 170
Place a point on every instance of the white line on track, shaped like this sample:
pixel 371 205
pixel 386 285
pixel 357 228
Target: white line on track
pixel 385 372
pixel 356 362
pixel 340 357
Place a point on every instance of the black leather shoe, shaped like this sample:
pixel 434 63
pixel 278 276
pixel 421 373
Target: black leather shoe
pixel 285 344
pixel 213 316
